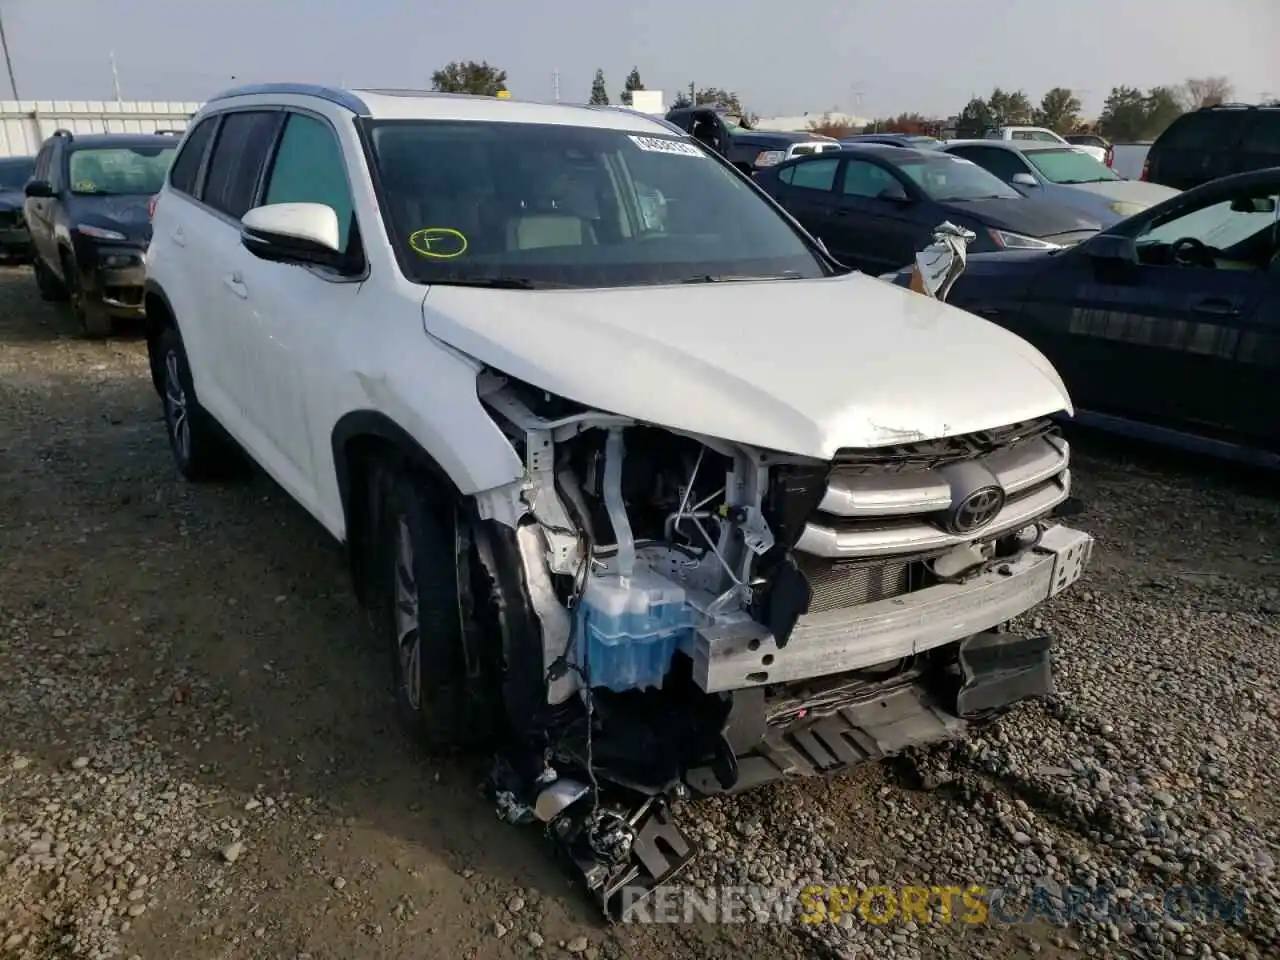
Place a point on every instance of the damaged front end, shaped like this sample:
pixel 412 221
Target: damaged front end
pixel 684 615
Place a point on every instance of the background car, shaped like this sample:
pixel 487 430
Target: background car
pixel 15 242
pixel 1026 134
pixel 915 140
pixel 1062 174
pixel 1215 142
pixel 875 206
pixel 1093 140
pixel 86 208
pixel 1164 327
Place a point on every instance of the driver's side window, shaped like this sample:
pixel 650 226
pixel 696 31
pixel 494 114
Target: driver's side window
pixel 1239 232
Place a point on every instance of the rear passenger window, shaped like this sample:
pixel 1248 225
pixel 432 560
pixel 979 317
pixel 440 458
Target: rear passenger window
pixel 185 168
pixel 309 169
pixel 814 174
pixel 1262 135
pixel 238 156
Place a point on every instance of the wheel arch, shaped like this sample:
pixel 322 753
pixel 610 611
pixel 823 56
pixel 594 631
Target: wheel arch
pixel 158 315
pixel 358 439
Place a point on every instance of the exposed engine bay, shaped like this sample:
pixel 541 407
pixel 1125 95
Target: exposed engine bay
pixel 704 617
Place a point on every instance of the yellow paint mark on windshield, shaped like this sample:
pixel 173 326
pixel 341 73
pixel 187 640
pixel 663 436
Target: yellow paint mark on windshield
pixel 440 243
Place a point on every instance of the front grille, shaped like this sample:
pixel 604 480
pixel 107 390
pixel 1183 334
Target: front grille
pixel 880 512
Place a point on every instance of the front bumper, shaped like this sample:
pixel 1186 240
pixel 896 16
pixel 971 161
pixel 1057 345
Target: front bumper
pixel 113 278
pixel 744 654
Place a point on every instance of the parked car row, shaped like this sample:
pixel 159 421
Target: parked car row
pixel 86 210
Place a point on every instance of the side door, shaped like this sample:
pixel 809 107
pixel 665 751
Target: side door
pixel 1254 395
pixel 1158 341
pixel 219 348
pixel 294 317
pixel 36 210
pixel 806 189
pixel 880 216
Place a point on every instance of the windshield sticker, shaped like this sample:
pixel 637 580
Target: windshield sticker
pixel 660 145
pixel 439 243
pixel 85 186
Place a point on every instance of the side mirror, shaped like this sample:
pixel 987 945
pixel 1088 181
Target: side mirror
pixel 1111 248
pixel 300 233
pixel 895 192
pixel 1024 180
pixel 39 189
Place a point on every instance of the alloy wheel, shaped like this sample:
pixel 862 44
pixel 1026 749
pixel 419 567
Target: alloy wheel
pixel 176 408
pixel 408 639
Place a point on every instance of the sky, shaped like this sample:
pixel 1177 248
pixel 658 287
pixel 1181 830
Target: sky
pixel 870 57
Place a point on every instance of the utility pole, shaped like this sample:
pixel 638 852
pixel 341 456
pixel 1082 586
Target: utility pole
pixel 8 60
pixel 555 83
pixel 115 77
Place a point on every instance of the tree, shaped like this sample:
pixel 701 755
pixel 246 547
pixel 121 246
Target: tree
pixel 469 77
pixel 974 120
pixel 1163 107
pixel 912 124
pixel 1010 108
pixel 599 92
pixel 1124 115
pixel 632 84
pixel 1129 114
pixel 1059 111
pixel 1200 92
pixel 828 126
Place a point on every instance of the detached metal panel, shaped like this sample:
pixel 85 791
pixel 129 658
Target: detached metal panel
pixel 25 124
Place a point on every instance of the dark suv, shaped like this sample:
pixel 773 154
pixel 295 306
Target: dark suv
pixel 15 244
pixel 87 211
pixel 1215 142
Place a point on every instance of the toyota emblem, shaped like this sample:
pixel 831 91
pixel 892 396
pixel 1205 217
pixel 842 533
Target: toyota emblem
pixel 976 510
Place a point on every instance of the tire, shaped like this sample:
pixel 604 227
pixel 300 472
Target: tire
pixel 50 287
pixel 95 322
pixel 415 609
pixel 199 449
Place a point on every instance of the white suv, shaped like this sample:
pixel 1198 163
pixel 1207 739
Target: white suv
pixel 629 471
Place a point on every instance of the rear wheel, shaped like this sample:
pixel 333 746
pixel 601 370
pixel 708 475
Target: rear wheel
pixel 415 603
pixel 199 450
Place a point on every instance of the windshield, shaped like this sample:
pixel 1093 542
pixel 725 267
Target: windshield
pixel 14 174
pixel 119 170
pixel 954 178
pixel 559 205
pixel 1069 166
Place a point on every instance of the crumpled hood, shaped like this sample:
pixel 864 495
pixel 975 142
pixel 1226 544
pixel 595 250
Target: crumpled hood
pixel 128 215
pixel 801 366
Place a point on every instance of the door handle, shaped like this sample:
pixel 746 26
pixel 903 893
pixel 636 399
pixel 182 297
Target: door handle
pixel 840 212
pixel 1215 307
pixel 236 284
pixel 179 237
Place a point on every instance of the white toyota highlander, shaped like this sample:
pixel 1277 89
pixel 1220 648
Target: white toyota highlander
pixel 637 483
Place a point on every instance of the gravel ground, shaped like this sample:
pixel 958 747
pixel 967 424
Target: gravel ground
pixel 197 756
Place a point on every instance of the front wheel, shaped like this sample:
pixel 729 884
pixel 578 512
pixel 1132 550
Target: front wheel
pixel 51 289
pixel 416 609
pixel 93 318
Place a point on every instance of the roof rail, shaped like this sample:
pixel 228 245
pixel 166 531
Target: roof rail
pixel 63 132
pixel 1232 106
pixel 342 98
